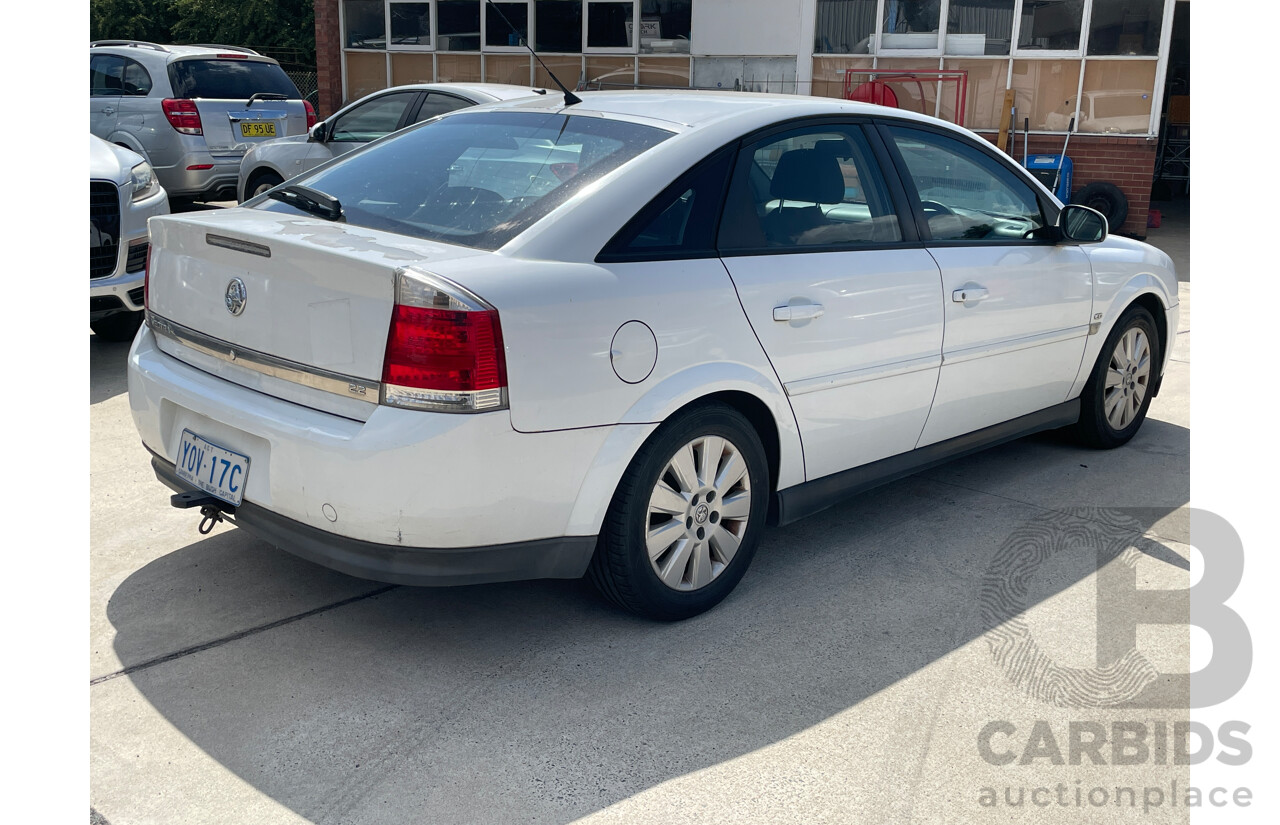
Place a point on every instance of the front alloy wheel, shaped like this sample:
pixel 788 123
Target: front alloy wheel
pixel 686 517
pixel 1117 395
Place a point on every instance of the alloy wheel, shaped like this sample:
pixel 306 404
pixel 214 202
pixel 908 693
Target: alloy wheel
pixel 1128 378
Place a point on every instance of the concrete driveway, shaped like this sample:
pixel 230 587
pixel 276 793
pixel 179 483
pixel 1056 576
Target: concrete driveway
pixel 854 676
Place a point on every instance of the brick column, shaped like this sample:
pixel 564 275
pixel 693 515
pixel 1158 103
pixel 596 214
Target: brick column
pixel 328 57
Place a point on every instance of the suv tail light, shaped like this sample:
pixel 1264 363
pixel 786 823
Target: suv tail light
pixel 444 348
pixel 183 115
pixel 146 279
pixel 311 114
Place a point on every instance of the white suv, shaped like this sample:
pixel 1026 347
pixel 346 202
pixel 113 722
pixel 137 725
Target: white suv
pixel 123 194
pixel 191 111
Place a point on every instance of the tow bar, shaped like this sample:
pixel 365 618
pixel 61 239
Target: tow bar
pixel 212 508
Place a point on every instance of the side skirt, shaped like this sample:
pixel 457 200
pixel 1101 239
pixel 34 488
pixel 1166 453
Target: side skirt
pixel 802 500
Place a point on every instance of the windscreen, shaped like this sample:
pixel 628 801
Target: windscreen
pixel 228 79
pixel 476 179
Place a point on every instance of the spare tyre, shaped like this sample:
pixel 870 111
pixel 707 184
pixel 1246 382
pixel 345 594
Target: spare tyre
pixel 1107 199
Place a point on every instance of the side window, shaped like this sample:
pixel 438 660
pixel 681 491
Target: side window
pixel 438 104
pixel 372 120
pixel 106 73
pixel 814 187
pixel 965 194
pixel 135 79
pixel 679 223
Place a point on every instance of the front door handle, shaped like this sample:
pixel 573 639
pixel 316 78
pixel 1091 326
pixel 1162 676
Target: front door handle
pixel 108 110
pixel 798 312
pixel 969 293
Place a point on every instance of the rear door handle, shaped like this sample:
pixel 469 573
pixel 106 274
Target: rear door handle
pixel 798 312
pixel 969 293
pixel 108 110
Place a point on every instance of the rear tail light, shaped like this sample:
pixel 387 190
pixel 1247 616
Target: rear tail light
pixel 183 115
pixel 311 114
pixel 444 348
pixel 232 56
pixel 146 279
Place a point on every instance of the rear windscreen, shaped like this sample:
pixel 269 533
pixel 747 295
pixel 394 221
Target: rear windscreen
pixel 477 179
pixel 229 79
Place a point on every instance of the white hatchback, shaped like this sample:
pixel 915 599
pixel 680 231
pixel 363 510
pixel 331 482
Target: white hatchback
pixel 618 338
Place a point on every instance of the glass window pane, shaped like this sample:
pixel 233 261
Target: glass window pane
pixel 1125 26
pixel 559 27
pixel 136 80
pixel 681 221
pixel 609 25
pixel 666 26
pixel 458 68
pixel 664 71
pixel 610 73
pixel 411 67
pixel 365 73
pixel 911 24
pixel 845 27
pixel 984 99
pixel 105 73
pixel 1117 96
pixel 366 25
pixel 818 187
pixel 507 68
pixel 438 104
pixel 979 26
pixel 411 24
pixel 831 73
pixel 372 120
pixel 500 32
pixel 458 25
pixel 1046 92
pixel 1051 25
pixel 965 194
pixel 567 69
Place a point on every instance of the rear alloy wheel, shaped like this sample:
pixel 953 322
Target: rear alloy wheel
pixel 685 521
pixel 1116 398
pixel 121 326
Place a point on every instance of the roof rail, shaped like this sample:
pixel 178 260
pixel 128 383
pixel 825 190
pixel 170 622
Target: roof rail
pixel 229 48
pixel 142 44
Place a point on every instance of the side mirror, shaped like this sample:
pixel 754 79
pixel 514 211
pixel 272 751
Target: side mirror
pixel 1080 224
pixel 317 134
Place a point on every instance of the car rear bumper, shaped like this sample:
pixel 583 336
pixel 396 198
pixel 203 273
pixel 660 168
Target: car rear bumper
pixel 215 183
pixel 559 558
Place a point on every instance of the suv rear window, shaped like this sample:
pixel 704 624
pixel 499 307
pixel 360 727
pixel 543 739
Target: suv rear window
pixel 477 179
pixel 227 79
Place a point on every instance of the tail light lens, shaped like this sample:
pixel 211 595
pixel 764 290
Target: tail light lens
pixel 183 115
pixel 444 348
pixel 146 279
pixel 311 114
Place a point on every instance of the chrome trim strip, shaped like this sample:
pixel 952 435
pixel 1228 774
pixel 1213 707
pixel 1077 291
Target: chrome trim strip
pixel 238 245
pixel 319 379
pixel 1006 347
pixel 841 379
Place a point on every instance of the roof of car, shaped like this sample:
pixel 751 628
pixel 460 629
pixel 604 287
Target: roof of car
pixel 172 51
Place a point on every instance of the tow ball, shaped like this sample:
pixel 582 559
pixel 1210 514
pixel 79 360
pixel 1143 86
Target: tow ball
pixel 212 508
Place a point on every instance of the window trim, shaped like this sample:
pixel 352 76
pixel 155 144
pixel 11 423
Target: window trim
pixel 1048 209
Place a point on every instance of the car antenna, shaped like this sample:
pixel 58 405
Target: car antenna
pixel 569 97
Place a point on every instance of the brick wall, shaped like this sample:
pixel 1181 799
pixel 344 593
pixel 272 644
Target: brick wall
pixel 328 57
pixel 1129 163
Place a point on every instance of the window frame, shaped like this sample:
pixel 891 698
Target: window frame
pixel 530 13
pixel 1048 209
pixel 417 47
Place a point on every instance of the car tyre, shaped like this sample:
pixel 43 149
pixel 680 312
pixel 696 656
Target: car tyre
pixel 685 520
pixel 261 182
pixel 1105 198
pixel 1118 393
pixel 121 326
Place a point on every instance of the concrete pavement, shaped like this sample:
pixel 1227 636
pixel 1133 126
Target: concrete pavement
pixel 848 679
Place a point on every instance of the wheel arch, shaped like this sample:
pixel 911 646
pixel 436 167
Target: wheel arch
pixel 263 169
pixel 1146 291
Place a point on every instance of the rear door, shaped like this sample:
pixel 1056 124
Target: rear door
pixel 370 119
pixel 223 87
pixel 844 299
pixel 106 84
pixel 1017 304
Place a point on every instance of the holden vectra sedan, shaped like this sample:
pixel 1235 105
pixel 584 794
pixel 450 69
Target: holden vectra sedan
pixel 618 338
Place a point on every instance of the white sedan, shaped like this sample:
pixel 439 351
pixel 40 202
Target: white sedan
pixel 618 338
pixel 377 115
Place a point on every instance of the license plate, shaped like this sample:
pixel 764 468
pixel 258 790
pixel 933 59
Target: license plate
pixel 216 470
pixel 257 128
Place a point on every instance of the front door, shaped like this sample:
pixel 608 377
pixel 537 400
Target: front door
pixel 845 301
pixel 1017 305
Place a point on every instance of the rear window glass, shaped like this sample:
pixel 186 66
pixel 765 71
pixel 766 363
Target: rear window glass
pixel 477 179
pixel 229 79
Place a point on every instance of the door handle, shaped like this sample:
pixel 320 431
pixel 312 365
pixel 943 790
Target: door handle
pixel 798 312
pixel 108 110
pixel 969 293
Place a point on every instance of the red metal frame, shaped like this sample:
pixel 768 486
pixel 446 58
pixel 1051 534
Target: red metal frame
pixel 881 77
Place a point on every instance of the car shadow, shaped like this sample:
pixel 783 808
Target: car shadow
pixel 108 368
pixel 547 704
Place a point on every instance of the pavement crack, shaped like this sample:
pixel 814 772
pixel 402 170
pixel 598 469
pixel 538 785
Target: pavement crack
pixel 253 631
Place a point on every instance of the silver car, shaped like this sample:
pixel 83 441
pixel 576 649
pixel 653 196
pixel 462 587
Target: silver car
pixel 191 111
pixel 269 164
